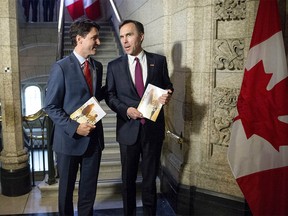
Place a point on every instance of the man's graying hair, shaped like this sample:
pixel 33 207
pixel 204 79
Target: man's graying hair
pixel 139 26
pixel 81 27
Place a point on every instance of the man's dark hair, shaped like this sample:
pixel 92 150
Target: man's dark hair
pixel 81 27
pixel 138 25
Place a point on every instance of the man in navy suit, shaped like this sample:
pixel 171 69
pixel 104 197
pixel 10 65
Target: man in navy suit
pixel 138 140
pixel 26 5
pixel 76 145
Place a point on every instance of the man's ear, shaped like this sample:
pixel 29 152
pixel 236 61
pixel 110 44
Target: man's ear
pixel 79 39
pixel 142 37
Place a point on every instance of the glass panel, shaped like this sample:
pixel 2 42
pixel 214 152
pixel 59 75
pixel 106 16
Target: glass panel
pixel 32 98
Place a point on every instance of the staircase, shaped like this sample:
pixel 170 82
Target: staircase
pixel 109 181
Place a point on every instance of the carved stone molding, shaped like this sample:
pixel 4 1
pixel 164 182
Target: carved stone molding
pixel 229 54
pixel 223 111
pixel 230 9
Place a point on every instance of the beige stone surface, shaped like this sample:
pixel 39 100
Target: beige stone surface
pixel 13 156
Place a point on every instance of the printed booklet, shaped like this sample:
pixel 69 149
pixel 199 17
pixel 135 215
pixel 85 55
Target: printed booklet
pixel 90 112
pixel 149 105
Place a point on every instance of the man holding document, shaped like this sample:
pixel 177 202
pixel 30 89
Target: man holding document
pixel 127 78
pixel 72 82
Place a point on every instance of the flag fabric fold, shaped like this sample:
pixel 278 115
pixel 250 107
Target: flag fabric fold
pixel 258 149
pixel 92 9
pixel 75 8
pixel 79 8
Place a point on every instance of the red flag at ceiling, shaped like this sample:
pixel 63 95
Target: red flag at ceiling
pixel 92 9
pixel 75 8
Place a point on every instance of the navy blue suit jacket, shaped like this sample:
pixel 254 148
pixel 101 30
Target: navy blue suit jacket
pixel 67 90
pixel 122 94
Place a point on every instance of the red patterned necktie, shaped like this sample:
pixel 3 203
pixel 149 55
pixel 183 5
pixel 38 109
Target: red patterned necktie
pixel 88 76
pixel 139 82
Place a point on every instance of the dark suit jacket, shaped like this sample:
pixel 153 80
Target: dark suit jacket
pixel 121 94
pixel 67 90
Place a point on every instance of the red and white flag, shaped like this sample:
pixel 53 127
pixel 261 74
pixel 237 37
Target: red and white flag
pixel 75 8
pixel 258 150
pixel 92 9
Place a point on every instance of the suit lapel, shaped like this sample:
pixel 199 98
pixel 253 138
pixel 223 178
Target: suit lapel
pixel 150 67
pixel 75 66
pixel 95 74
pixel 124 66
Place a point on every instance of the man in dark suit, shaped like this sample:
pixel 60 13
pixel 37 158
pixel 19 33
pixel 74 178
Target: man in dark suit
pixel 76 144
pixel 26 5
pixel 48 10
pixel 138 139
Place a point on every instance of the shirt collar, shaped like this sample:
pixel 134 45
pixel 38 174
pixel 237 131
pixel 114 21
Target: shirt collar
pixel 140 56
pixel 80 58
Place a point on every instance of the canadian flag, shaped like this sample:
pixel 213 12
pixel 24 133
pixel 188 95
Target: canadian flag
pixel 258 150
pixel 92 9
pixel 75 8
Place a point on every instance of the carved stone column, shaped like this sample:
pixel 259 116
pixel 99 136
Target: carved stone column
pixel 15 169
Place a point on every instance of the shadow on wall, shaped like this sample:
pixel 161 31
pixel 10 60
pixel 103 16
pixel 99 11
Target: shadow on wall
pixel 185 116
pixel 190 111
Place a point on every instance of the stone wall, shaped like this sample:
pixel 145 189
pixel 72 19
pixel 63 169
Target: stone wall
pixel 37 49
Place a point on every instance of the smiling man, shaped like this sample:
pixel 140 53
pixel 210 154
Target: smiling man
pixel 127 78
pixel 76 144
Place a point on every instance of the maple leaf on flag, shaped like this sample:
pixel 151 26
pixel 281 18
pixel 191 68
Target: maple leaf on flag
pixel 260 109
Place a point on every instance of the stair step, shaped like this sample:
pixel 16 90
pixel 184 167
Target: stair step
pixel 109 139
pixel 111 146
pixel 100 57
pixel 103 46
pixel 110 169
pixel 112 156
pixel 111 153
pixel 107 38
pixel 105 188
pixel 109 132
pixel 108 120
pixel 100 54
pixel 104 26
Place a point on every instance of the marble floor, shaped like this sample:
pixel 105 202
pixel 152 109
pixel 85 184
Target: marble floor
pixel 33 204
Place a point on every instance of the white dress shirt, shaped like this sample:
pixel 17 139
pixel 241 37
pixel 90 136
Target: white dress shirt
pixel 132 63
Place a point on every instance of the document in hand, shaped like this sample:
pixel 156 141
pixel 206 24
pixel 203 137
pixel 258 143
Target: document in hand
pixel 149 105
pixel 90 112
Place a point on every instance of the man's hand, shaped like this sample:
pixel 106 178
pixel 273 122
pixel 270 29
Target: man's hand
pixel 85 128
pixel 165 98
pixel 134 113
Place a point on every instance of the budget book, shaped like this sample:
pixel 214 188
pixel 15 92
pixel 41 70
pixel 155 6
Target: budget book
pixel 89 112
pixel 149 105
